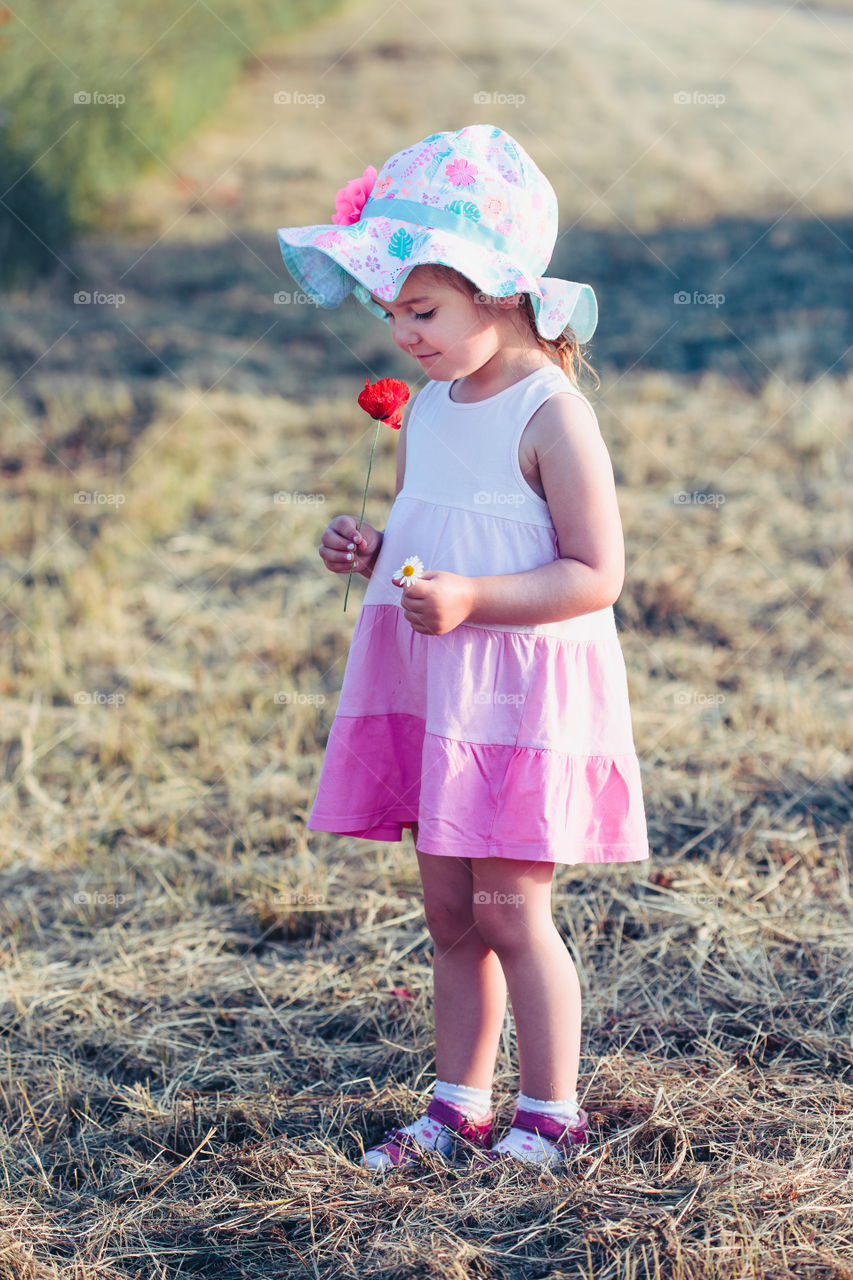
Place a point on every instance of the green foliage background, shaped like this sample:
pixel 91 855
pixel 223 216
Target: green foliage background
pixel 59 158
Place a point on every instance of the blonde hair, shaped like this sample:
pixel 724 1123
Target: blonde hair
pixel 564 350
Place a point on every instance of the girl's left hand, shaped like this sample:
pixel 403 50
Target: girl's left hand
pixel 437 601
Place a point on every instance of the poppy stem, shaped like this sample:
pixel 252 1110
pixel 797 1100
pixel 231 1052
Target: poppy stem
pixel 363 504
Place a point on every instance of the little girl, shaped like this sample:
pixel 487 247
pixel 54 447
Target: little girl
pixel 484 703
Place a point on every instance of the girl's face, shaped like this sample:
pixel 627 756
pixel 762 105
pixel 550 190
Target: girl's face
pixel 450 333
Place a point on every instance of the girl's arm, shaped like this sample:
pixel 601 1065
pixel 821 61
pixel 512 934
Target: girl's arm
pixel 367 571
pixel 577 476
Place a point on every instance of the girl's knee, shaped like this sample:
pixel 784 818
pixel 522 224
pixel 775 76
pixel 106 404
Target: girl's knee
pixel 447 898
pixel 448 923
pixel 512 903
pixel 506 926
pixel 496 924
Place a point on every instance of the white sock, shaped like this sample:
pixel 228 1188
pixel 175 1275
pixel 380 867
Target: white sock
pixel 534 1147
pixel 566 1110
pixel 475 1103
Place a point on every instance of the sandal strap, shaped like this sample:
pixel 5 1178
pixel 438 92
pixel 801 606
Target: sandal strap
pixel 398 1144
pixel 563 1135
pixel 477 1132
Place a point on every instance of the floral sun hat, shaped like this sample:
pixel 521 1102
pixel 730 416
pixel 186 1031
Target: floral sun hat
pixel 473 200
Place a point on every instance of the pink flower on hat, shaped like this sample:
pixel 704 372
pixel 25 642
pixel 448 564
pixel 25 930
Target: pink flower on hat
pixel 351 199
pixel 462 173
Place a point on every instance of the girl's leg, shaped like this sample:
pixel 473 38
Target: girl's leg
pixel 469 985
pixel 512 911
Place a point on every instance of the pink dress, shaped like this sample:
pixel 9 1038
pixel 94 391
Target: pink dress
pixel 499 741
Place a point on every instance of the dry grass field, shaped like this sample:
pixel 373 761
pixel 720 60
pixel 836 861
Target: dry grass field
pixel 208 1011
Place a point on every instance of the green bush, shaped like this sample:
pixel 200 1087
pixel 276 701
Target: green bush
pixel 59 157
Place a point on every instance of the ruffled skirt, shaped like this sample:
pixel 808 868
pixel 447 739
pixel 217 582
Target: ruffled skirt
pixel 498 744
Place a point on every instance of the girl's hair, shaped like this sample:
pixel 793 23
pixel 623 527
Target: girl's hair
pixel 565 350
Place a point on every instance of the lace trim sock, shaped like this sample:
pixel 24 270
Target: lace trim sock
pixel 533 1147
pixel 476 1104
pixel 566 1110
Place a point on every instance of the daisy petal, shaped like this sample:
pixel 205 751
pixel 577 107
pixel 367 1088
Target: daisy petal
pixel 410 570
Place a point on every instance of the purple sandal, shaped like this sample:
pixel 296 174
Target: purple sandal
pixel 565 1137
pixel 403 1148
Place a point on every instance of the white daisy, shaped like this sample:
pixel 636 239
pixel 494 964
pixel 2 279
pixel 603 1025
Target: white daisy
pixel 410 571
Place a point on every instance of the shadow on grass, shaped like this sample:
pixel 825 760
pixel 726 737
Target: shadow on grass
pixel 742 297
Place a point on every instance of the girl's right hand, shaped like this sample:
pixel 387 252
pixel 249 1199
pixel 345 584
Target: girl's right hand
pixel 342 548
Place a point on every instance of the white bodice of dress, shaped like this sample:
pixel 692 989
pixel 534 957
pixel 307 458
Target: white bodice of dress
pixel 465 506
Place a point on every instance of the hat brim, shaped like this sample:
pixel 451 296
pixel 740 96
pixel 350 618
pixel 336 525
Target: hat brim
pixel 375 255
pixel 565 304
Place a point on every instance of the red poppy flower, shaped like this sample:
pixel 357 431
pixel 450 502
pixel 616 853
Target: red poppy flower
pixel 385 400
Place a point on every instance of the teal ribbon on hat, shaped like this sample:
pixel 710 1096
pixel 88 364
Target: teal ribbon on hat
pixel 426 215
